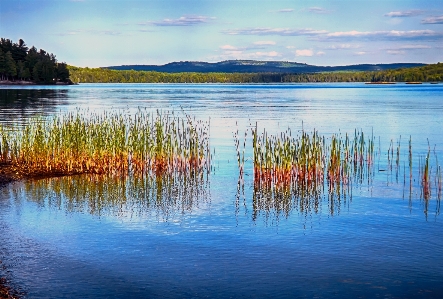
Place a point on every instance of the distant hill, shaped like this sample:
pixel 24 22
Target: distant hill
pixel 427 73
pixel 253 66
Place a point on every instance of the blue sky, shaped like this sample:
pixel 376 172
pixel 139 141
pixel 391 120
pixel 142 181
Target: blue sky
pixel 98 33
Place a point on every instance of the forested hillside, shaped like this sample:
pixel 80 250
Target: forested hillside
pixel 428 73
pixel 18 62
pixel 258 66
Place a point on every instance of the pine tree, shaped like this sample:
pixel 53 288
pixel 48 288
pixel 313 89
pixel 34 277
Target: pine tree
pixel 11 67
pixel 2 65
pixel 20 70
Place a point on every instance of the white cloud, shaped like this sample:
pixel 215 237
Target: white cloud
pixel 90 31
pixel 285 10
pixel 413 47
pixel 360 53
pixel 401 50
pixel 324 35
pixel 396 52
pixel 264 43
pixel 228 47
pixel 405 13
pixel 343 47
pixel 433 20
pixel 275 31
pixel 318 10
pixel 243 55
pixel 320 53
pixel 182 21
pixel 383 35
pixel 305 52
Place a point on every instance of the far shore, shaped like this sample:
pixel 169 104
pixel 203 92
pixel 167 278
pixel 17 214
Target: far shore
pixel 17 82
pixel 30 83
pixel 23 82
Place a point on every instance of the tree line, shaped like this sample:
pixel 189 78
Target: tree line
pixel 428 73
pixel 18 62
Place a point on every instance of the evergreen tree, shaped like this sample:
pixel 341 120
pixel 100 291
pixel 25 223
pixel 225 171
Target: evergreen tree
pixel 17 61
pixel 11 67
pixel 2 65
pixel 36 72
pixel 62 72
pixel 20 70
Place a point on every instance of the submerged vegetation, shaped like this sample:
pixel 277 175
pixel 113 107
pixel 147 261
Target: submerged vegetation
pixel 108 143
pixel 428 73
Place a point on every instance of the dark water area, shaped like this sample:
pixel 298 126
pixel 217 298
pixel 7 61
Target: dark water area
pixel 216 235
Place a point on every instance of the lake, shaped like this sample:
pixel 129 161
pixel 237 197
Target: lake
pixel 214 236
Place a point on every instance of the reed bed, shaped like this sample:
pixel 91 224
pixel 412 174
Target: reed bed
pixel 298 173
pixel 309 158
pixel 107 143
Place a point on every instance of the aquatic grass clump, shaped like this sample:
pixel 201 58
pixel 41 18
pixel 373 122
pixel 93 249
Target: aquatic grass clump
pixel 308 159
pixel 289 171
pixel 107 143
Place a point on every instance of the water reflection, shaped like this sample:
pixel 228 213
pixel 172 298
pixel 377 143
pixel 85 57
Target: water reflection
pixel 164 197
pixel 17 104
pixel 272 203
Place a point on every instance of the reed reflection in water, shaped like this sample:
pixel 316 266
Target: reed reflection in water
pixel 162 196
pixel 274 202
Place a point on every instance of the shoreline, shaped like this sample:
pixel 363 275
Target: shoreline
pixel 26 83
pixel 30 83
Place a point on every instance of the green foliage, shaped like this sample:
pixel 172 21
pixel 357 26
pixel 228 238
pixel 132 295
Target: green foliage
pixel 17 61
pixel 11 68
pixel 429 73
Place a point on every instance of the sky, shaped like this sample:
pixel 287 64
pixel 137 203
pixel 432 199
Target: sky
pixel 97 33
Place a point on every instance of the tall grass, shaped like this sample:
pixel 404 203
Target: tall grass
pixel 107 143
pixel 293 172
pixel 310 158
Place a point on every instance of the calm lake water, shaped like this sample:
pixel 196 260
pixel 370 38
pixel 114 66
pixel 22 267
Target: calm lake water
pixel 99 237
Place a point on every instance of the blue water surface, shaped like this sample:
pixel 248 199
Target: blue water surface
pixel 380 238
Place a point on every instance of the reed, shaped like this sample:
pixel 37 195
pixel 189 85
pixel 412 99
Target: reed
pixel 308 159
pixel 107 143
pixel 426 183
pixel 295 173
